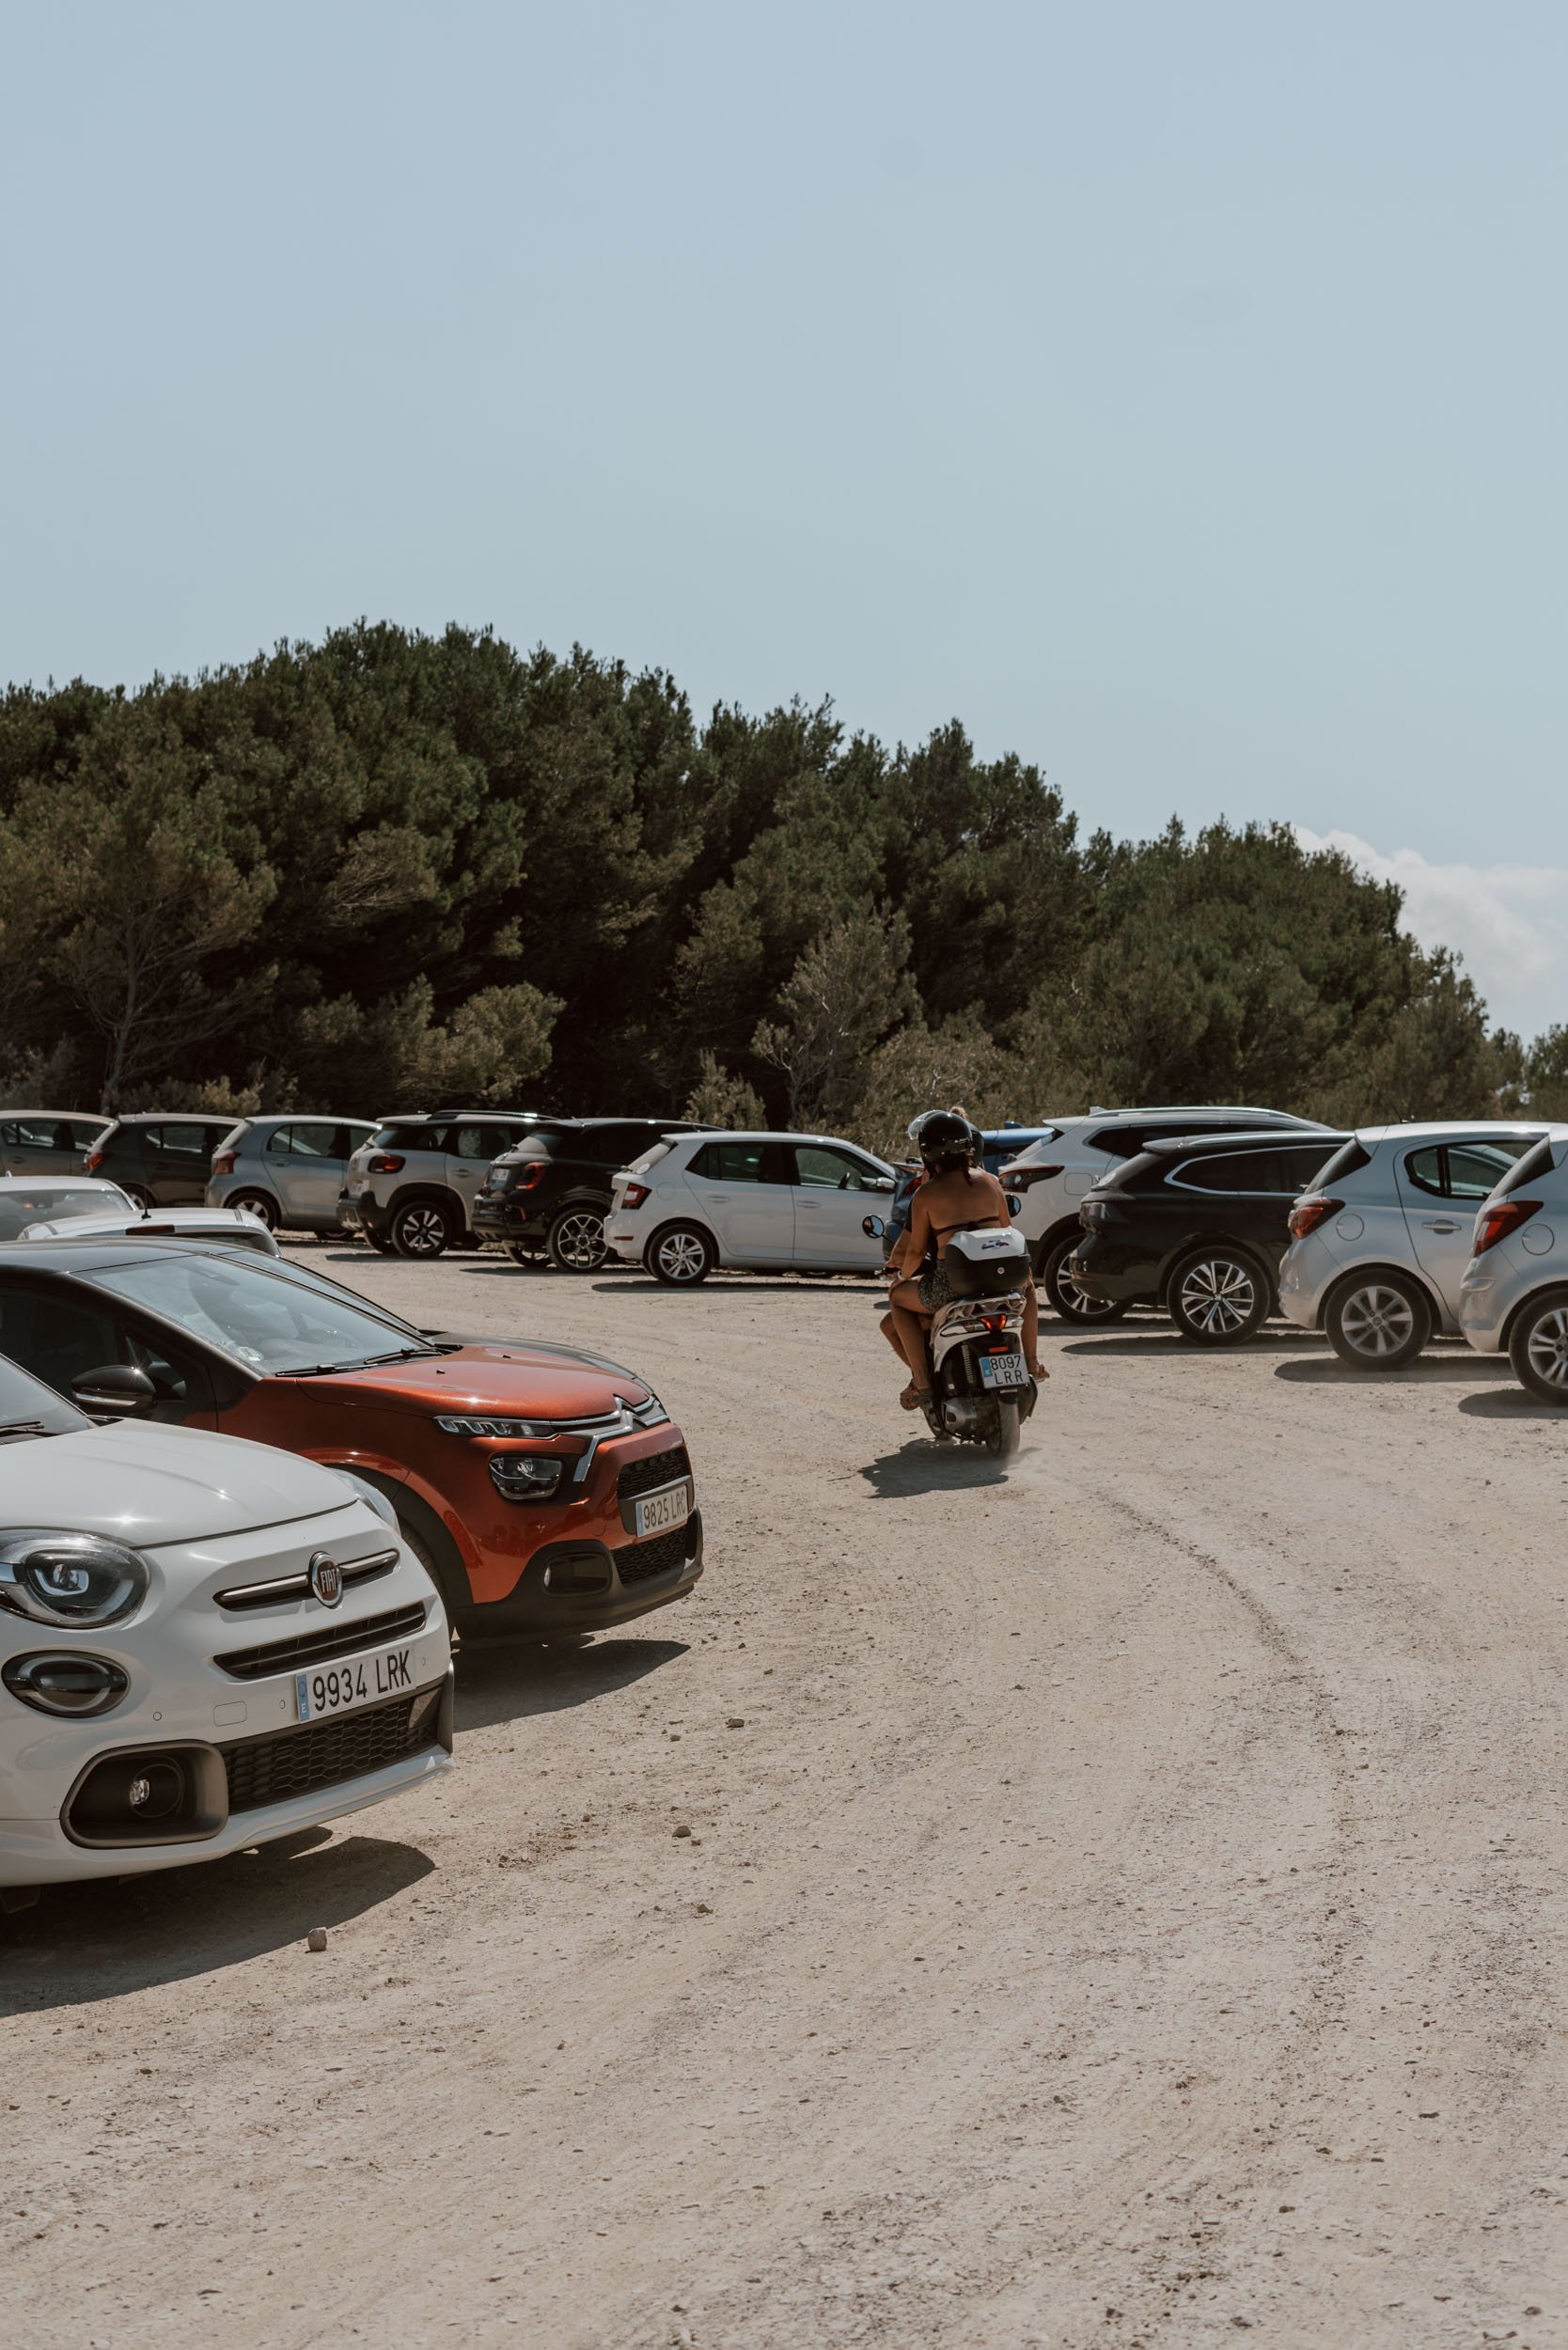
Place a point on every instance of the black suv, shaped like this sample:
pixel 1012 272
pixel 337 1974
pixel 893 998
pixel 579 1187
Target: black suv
pixel 551 1194
pixel 1199 1225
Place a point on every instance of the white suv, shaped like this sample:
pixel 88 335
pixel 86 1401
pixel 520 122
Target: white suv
pixel 1053 1175
pixel 204 1644
pixel 767 1203
pixel 410 1189
pixel 1380 1246
pixel 1514 1293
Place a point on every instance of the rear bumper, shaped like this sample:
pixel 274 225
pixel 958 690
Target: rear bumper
pixel 1113 1276
pixel 507 1219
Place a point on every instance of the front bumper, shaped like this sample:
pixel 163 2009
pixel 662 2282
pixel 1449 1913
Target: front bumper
pixel 582 1584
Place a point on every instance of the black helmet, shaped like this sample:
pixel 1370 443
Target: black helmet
pixel 944 1141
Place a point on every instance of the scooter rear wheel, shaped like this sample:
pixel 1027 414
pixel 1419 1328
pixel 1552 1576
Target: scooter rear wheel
pixel 1002 1441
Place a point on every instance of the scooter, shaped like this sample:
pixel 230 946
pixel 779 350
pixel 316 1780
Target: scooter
pixel 982 1387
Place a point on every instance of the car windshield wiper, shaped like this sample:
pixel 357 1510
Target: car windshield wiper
pixel 358 1362
pixel 406 1354
pixel 12 1429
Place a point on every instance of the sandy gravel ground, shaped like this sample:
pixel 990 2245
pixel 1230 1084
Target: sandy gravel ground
pixel 1124 1902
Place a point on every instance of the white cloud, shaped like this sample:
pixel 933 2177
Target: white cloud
pixel 1510 922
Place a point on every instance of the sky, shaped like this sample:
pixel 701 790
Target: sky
pixel 1173 394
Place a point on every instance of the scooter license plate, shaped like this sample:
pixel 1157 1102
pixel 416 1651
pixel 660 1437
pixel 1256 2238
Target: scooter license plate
pixel 1003 1370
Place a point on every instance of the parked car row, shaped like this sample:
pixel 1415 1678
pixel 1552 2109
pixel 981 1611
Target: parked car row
pixel 241 1511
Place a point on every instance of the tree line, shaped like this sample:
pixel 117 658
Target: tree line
pixel 392 871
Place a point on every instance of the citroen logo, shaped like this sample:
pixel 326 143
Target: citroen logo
pixel 326 1579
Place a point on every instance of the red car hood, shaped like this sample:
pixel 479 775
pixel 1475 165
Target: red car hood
pixel 495 1377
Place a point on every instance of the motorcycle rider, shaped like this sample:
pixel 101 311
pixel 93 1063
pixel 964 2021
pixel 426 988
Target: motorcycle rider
pixel 955 1197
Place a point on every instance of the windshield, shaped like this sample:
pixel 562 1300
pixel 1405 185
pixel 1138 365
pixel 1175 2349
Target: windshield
pixel 261 1314
pixel 22 1204
pixel 28 1408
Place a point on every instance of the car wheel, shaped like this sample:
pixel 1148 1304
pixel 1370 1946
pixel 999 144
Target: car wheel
pixel 378 1241
pixel 1217 1298
pixel 526 1252
pixel 1064 1293
pixel 1378 1321
pixel 578 1243
pixel 1538 1349
pixel 257 1204
pixel 680 1256
pixel 422 1229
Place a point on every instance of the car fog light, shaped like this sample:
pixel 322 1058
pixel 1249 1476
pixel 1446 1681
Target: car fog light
pixel 525 1476
pixel 157 1792
pixel 65 1684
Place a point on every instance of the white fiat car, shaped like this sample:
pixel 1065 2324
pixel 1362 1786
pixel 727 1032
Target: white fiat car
pixel 1514 1293
pixel 204 1643
pixel 764 1203
pixel 1380 1246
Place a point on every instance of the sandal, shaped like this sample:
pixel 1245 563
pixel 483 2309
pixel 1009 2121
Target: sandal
pixel 914 1398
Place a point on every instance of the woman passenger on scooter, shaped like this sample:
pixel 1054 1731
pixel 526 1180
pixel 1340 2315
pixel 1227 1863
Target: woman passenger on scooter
pixel 956 1197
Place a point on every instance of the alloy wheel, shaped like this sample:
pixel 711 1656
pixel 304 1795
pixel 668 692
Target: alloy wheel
pixel 1219 1296
pixel 578 1241
pixel 1377 1320
pixel 421 1231
pixel 682 1257
pixel 1546 1350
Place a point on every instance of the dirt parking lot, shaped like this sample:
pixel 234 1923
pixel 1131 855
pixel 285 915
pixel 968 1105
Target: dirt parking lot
pixel 1124 1901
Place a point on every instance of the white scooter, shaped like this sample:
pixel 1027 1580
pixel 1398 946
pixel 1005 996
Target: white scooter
pixel 982 1387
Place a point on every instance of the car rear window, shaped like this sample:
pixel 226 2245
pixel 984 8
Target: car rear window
pixel 1349 1159
pixel 650 1158
pixel 423 1135
pixel 1537 1161
pixel 52 1203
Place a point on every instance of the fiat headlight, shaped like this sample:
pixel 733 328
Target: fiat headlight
pixel 69 1578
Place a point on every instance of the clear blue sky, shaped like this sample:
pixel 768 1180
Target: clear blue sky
pixel 1175 393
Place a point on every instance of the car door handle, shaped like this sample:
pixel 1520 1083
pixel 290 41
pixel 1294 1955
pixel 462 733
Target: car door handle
pixel 719 1198
pixel 1438 1224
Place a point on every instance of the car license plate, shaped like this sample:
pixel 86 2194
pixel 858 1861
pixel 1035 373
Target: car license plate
pixel 670 1506
pixel 353 1681
pixel 1003 1370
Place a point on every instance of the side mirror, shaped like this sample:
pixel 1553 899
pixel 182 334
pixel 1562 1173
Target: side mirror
pixel 118 1389
pixel 872 1226
pixel 881 1183
pixel 1013 1203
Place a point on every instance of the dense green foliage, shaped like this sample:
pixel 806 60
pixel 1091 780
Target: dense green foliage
pixel 392 869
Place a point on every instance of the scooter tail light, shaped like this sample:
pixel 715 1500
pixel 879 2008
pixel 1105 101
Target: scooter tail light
pixel 1494 1224
pixel 1310 1213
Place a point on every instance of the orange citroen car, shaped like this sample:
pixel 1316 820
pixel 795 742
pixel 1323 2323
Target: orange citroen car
pixel 547 1491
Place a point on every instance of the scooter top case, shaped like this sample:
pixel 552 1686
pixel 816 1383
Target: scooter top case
pixel 988 1263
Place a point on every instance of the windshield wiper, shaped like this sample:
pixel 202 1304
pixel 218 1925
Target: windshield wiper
pixel 17 1428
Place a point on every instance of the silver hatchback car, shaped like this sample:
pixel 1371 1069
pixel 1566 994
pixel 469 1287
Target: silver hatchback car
pixel 288 1171
pixel 1380 1244
pixel 1514 1293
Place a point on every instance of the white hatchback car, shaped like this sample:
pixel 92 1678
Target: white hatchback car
pixel 57 1199
pixel 1053 1176
pixel 204 1643
pixel 1380 1247
pixel 1514 1293
pixel 237 1226
pixel 764 1203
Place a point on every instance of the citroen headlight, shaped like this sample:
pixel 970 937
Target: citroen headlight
pixel 69 1578
pixel 465 1424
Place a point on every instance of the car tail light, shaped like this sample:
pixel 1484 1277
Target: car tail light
pixel 1494 1224
pixel 223 1163
pixel 1310 1213
pixel 385 1163
pixel 95 1160
pixel 529 1175
pixel 1022 1177
pixel 634 1195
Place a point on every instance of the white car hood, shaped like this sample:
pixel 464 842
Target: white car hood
pixel 151 1485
